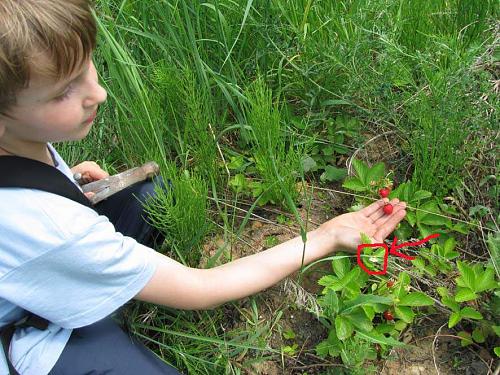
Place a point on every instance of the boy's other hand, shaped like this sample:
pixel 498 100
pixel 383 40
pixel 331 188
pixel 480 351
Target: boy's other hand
pixel 370 220
pixel 90 172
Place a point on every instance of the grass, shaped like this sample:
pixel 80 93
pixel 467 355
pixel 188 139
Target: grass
pixel 198 85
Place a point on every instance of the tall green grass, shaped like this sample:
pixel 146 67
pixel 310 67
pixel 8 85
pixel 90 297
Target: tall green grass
pixel 192 84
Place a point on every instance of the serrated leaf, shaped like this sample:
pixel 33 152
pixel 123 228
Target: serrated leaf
pixel 486 280
pixel 442 291
pixel 378 338
pixel 329 302
pixel 469 312
pixel 354 183
pixel 332 173
pixel 341 265
pixel 451 303
pixel 465 294
pixel 366 299
pixel 404 313
pixel 376 172
pixel 421 194
pixel 467 277
pixel 330 346
pixel 429 214
pixel 455 318
pixel 449 245
pixel 416 299
pixel 343 327
pixel 411 217
pixel 361 170
pixel 359 320
pixel 337 284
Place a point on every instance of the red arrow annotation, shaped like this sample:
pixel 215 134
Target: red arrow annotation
pixel 393 251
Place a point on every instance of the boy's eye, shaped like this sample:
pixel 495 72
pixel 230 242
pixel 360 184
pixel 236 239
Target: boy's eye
pixel 65 94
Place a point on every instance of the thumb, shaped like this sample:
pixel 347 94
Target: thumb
pixel 89 195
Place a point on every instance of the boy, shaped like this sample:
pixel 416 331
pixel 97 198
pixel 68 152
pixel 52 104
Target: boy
pixel 70 265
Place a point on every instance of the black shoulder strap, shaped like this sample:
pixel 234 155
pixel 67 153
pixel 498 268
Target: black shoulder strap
pixel 16 171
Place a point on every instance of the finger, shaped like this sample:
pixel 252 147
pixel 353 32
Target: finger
pixel 374 207
pixel 389 225
pixel 98 174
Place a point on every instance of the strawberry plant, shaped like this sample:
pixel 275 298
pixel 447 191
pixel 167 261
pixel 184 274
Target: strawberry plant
pixel 426 214
pixel 357 307
pixel 474 282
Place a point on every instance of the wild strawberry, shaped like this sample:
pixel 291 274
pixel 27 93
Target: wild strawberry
pixel 390 284
pixel 384 192
pixel 388 209
pixel 388 315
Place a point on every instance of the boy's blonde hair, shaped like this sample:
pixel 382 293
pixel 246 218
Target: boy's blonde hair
pixel 62 30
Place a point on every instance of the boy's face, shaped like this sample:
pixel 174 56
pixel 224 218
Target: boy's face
pixel 49 111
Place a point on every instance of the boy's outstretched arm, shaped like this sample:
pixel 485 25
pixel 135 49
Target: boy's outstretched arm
pixel 178 286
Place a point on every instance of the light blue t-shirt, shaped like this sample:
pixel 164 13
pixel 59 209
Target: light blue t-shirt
pixel 63 262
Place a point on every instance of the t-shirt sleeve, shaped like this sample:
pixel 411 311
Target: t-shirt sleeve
pixel 91 272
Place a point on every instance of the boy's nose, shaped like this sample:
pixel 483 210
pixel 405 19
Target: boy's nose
pixel 98 95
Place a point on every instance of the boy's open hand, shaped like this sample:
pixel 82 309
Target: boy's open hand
pixel 90 172
pixel 370 220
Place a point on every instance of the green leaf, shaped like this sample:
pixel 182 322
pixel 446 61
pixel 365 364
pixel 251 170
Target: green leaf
pixel 455 318
pixel 341 265
pixel 433 216
pixel 465 294
pixel 330 303
pixel 359 320
pixel 466 338
pixel 376 172
pixel 486 280
pixel 378 338
pixel 404 313
pixel 449 245
pixel 421 194
pixel 451 303
pixel 497 351
pixel 469 312
pixel 309 164
pixel 411 217
pixel 478 335
pixel 401 286
pixel 332 173
pixel 354 183
pixel 467 277
pixel 400 325
pixel 366 299
pixel 330 346
pixel 496 329
pixel 361 170
pixel 416 299
pixel 442 291
pixel 343 327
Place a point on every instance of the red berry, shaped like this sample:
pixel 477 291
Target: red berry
pixel 388 315
pixel 390 284
pixel 388 209
pixel 384 193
